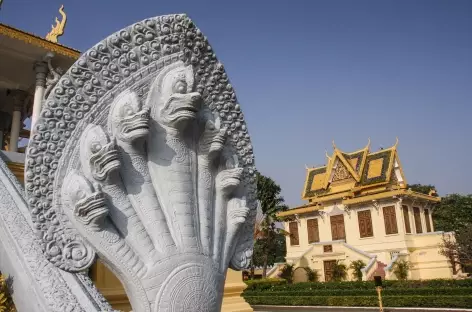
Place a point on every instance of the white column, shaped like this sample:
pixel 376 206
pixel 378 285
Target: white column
pixel 41 69
pixel 18 107
pixel 15 131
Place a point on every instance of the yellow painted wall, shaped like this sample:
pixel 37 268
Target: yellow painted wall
pixel 422 249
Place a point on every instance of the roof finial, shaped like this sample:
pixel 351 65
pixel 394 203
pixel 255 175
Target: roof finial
pixel 368 144
pixel 327 155
pixel 58 30
pixel 396 142
pixel 334 145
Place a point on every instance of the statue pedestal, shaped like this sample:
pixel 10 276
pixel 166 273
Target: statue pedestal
pixel 232 300
pixel 113 291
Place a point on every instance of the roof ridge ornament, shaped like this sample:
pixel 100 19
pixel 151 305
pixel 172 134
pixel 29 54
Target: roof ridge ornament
pixel 58 30
pixel 396 142
pixel 327 156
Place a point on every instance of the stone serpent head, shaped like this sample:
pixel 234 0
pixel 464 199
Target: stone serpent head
pixel 98 154
pixel 172 102
pixel 127 121
pixel 89 203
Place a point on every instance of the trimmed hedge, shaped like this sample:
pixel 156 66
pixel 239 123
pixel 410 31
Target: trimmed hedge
pixel 262 284
pixel 281 285
pixel 364 301
pixel 462 291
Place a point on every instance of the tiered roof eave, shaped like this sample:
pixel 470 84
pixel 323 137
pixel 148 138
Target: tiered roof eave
pixel 35 40
pixel 355 175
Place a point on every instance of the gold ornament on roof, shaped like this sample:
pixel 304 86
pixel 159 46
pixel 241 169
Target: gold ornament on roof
pixel 57 30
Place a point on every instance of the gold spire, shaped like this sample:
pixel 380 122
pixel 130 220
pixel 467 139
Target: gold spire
pixel 396 142
pixel 57 30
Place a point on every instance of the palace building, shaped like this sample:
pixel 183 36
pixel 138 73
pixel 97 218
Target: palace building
pixel 359 208
pixel 30 66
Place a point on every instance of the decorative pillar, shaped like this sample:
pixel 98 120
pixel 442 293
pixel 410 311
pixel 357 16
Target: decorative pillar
pixel 41 69
pixel 18 108
pixel 232 300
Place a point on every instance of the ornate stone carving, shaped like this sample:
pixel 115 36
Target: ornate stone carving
pixel 54 76
pixel 48 288
pixel 142 156
pixel 340 172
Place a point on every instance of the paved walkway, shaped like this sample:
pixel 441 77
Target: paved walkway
pixel 266 308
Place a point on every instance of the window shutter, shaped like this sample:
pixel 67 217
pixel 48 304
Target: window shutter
pixel 390 220
pixel 337 227
pixel 406 219
pixel 313 231
pixel 428 221
pixel 365 223
pixel 417 215
pixel 293 229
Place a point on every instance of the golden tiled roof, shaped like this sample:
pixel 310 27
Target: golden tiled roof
pixel 354 172
pixel 38 41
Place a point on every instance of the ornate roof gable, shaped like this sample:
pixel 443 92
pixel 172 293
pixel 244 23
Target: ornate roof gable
pixel 379 166
pixel 314 183
pixel 355 170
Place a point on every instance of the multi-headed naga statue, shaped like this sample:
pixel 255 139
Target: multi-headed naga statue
pixel 142 156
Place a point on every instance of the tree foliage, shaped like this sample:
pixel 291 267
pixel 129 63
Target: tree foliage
pixel 287 273
pixel 6 303
pixel 312 275
pixel 339 271
pixel 356 267
pixel 420 188
pixel 454 213
pixel 268 194
pixel 401 269
pixel 267 233
pixel 458 248
pixel 277 251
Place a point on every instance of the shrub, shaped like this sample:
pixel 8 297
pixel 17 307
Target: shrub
pixel 401 269
pixel 365 292
pixel 357 267
pixel 364 301
pixel 339 271
pixel 281 285
pixel 312 275
pixel 6 304
pixel 287 273
pixel 263 284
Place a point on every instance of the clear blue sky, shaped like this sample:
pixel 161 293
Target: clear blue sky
pixel 307 72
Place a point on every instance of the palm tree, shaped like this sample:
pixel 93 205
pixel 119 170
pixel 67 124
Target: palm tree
pixel 339 271
pixel 357 267
pixel 269 204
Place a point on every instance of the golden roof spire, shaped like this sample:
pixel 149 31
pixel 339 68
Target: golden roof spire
pixel 334 145
pixel 57 30
pixel 396 142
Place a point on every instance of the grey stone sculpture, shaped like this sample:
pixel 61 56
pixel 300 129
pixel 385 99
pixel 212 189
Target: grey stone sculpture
pixel 142 156
pixel 37 285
